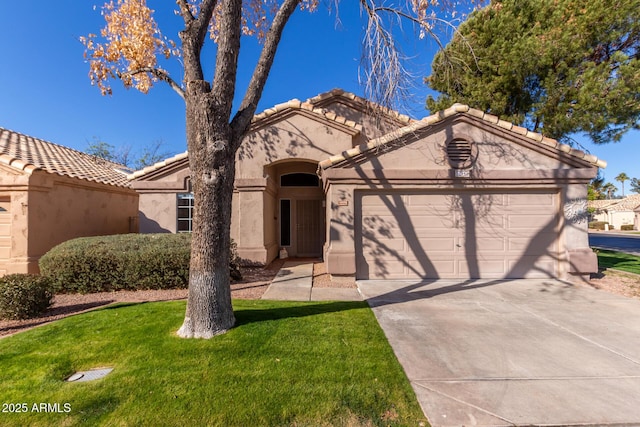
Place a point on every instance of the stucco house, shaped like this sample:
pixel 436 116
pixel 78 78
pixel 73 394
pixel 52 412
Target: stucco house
pixel 617 212
pixel 458 194
pixel 50 193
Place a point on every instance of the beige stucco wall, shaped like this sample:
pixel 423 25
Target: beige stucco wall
pixel 429 152
pixel 299 136
pixel 287 144
pixel 157 212
pixel 158 198
pixel 373 124
pixel 48 209
pixel 616 218
pixel 62 208
pixel 421 164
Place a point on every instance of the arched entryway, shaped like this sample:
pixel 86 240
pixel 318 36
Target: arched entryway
pixel 300 209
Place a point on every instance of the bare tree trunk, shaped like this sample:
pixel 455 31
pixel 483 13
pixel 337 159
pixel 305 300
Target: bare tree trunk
pixel 211 159
pixel 212 141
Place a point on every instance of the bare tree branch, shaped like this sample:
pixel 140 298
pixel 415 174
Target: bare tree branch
pixel 224 79
pixel 386 80
pixel 192 38
pixel 185 11
pixel 160 74
pixel 242 119
pixel 204 18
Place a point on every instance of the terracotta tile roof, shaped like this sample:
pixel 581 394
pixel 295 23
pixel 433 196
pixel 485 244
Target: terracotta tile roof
pixel 601 204
pixel 159 165
pixel 364 104
pixel 295 104
pixel 29 154
pixel 629 203
pixel 451 111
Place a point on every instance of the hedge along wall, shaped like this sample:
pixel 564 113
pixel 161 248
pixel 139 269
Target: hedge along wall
pixel 122 262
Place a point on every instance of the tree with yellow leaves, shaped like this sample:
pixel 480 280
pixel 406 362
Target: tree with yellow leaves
pixel 128 49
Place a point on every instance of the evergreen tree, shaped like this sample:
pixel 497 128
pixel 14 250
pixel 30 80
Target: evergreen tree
pixel 554 66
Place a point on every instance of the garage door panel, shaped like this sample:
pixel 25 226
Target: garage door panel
pixel 395 269
pixel 379 245
pixel 537 245
pixel 434 202
pixel 430 222
pixel 488 268
pixel 530 267
pixel 437 265
pixel 491 235
pixel 376 229
pixel 531 199
pixel 389 268
pixel 438 244
pixel 529 221
pixel 383 200
pixel 488 225
pixel 489 244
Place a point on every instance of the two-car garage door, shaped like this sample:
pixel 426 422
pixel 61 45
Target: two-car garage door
pixel 407 235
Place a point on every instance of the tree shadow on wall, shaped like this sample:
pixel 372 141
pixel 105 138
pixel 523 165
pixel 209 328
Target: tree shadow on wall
pixel 271 141
pixel 472 218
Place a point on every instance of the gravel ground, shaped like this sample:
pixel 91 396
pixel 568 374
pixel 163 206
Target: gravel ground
pixel 254 284
pixel 321 278
pixel 617 282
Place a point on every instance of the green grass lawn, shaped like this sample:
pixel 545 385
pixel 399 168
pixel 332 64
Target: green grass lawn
pixel 618 261
pixel 285 364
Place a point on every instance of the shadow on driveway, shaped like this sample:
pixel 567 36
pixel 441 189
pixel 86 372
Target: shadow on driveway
pixel 514 352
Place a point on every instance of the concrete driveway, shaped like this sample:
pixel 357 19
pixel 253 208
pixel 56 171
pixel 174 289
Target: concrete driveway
pixel 516 352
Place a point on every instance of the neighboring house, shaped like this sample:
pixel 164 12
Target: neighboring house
pixel 50 193
pixel 636 221
pixel 617 212
pixel 459 194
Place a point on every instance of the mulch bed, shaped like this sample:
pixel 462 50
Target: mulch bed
pixel 253 285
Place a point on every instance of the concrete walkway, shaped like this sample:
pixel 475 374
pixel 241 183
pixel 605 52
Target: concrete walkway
pixel 294 283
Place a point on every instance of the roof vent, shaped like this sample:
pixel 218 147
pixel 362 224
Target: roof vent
pixel 461 153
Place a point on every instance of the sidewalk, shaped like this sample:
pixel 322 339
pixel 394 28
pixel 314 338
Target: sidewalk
pixel 294 283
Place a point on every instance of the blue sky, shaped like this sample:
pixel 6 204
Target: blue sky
pixel 45 90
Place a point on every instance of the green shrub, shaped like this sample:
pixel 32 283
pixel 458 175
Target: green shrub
pixel 23 296
pixel 626 227
pixel 121 262
pixel 598 225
